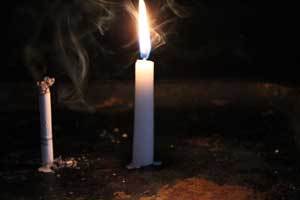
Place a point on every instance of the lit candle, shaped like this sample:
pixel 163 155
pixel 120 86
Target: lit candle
pixel 143 138
pixel 46 123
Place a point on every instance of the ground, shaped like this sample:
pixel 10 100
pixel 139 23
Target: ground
pixel 217 153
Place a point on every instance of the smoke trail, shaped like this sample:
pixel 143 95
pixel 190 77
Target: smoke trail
pixel 167 12
pixel 67 36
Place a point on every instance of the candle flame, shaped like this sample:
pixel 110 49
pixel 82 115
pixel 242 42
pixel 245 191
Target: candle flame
pixel 143 31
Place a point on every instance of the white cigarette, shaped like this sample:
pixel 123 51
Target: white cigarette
pixel 46 120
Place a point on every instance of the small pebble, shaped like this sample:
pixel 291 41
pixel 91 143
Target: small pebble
pixel 23 178
pixel 103 133
pixel 69 162
pixel 116 130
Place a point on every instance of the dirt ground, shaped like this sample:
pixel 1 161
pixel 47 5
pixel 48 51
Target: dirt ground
pixel 220 153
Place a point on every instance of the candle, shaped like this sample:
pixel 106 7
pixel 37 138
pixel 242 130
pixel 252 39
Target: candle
pixel 46 123
pixel 143 138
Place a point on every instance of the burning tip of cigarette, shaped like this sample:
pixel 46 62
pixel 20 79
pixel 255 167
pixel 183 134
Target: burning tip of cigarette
pixel 45 84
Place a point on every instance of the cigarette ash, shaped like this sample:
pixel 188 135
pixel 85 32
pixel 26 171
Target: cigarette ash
pixel 59 163
pixel 45 84
pixel 116 136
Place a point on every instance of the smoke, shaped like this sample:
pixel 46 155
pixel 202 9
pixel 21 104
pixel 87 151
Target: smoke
pixel 162 15
pixel 67 32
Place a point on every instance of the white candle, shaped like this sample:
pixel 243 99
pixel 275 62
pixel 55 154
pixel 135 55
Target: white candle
pixel 46 121
pixel 143 138
pixel 143 141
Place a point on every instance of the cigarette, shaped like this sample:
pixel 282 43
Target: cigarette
pixel 46 120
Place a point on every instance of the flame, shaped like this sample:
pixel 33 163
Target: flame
pixel 143 31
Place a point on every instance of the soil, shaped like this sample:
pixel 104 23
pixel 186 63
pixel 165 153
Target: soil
pixel 218 153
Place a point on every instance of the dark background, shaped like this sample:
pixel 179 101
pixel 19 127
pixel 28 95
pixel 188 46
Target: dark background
pixel 219 39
